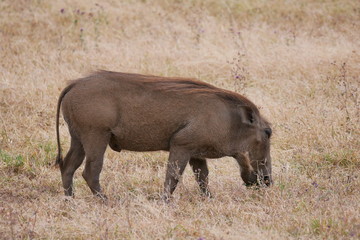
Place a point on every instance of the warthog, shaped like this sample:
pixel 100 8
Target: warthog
pixel 192 120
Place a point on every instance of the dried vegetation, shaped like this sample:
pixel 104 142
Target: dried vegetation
pixel 299 61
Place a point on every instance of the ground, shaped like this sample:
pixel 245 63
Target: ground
pixel 298 61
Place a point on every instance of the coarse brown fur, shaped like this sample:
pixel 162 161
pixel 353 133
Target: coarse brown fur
pixel 192 120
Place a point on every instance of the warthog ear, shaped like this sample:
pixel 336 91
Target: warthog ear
pixel 247 115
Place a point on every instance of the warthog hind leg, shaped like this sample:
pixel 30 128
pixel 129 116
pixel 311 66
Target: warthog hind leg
pixel 95 145
pixel 72 161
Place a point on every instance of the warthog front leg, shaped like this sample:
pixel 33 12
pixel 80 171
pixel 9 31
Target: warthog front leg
pixel 201 171
pixel 178 160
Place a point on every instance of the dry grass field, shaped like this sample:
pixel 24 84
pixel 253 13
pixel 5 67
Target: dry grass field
pixel 299 61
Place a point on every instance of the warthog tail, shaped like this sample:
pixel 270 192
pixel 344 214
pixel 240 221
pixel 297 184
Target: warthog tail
pixel 59 157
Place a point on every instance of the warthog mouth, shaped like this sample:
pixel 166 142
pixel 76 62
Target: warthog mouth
pixel 264 181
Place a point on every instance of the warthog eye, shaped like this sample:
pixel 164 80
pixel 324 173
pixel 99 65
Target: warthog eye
pixel 268 132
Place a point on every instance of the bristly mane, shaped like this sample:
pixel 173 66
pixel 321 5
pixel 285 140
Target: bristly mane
pixel 178 85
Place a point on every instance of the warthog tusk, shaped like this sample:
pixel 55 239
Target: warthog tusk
pixel 247 162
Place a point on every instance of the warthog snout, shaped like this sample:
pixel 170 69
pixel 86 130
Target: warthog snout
pixel 256 172
pixel 255 180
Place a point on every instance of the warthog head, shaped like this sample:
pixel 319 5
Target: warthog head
pixel 254 158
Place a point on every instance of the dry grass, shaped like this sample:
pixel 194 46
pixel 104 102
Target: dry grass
pixel 298 60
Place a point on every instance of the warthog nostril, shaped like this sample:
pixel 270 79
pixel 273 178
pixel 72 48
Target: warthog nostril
pixel 267 180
